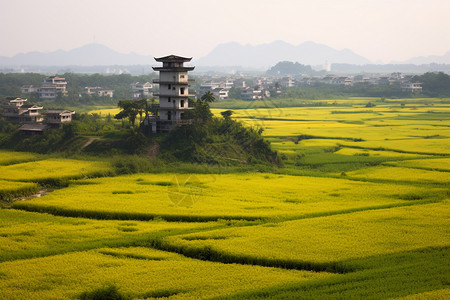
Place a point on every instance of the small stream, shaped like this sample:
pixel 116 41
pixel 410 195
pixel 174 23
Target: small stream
pixel 39 194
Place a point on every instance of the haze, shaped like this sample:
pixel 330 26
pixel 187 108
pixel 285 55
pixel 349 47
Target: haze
pixel 381 30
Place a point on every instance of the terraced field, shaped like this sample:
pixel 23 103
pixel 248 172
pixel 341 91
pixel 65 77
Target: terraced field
pixel 52 168
pixel 231 196
pixel 360 210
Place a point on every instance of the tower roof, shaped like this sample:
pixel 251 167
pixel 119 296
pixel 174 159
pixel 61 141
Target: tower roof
pixel 173 58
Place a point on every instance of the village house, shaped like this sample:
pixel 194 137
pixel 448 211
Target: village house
pixel 220 93
pixel 142 90
pixel 413 87
pixel 28 89
pixel 50 89
pixel 251 94
pixel 14 110
pixel 287 82
pixel 57 117
pixel 99 91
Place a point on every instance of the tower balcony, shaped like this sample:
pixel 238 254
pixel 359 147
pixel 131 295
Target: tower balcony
pixel 177 82
pixel 170 95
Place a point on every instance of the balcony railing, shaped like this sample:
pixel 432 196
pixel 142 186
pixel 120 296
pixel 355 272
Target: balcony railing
pixel 178 95
pixel 179 82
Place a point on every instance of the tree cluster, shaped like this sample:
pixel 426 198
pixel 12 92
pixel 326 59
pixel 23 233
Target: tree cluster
pixel 216 140
pixel 434 84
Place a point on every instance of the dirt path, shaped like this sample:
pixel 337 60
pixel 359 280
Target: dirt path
pixel 153 151
pixel 89 141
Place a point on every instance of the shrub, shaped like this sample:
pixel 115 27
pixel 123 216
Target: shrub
pixel 109 292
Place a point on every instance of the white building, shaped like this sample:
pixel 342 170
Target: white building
pixel 251 94
pixel 15 110
pixel 413 87
pixel 99 91
pixel 56 117
pixel 52 86
pixel 142 90
pixel 287 82
pixel 220 93
pixel 28 89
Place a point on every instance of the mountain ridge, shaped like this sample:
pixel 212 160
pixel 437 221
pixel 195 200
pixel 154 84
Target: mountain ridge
pixel 232 54
pixel 265 55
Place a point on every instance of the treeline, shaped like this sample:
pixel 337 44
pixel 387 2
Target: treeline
pixel 327 91
pixel 434 84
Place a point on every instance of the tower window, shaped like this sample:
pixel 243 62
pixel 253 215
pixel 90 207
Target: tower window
pixel 169 99
pixel 182 91
pixel 169 86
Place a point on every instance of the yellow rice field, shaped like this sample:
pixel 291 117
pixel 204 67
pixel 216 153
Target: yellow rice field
pixel 24 234
pixel 223 196
pixel 333 238
pixel 148 272
pixel 53 168
pixel 12 157
pixel 401 174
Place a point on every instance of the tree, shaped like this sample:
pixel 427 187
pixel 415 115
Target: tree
pixel 130 110
pixel 208 97
pixel 227 114
pixel 141 106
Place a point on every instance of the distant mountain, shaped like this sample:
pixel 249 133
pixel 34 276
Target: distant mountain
pixel 88 55
pixel 421 60
pixel 266 55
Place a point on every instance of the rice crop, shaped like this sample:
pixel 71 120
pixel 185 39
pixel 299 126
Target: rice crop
pixel 439 164
pixel 401 174
pixel 12 157
pixel 204 197
pixel 137 273
pixel 418 274
pixel 27 234
pixel 53 169
pixel 330 243
pixel 10 190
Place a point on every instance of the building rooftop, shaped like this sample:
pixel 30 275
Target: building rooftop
pixel 36 127
pixel 15 99
pixel 173 58
pixel 58 112
pixel 27 106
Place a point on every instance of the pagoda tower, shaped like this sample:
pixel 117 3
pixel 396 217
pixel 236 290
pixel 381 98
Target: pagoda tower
pixel 173 92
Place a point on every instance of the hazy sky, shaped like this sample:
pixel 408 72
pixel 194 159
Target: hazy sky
pixel 381 30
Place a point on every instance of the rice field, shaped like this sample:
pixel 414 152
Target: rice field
pixel 53 168
pixel 11 157
pixel 28 234
pixel 403 174
pixel 438 164
pixel 10 189
pixel 202 197
pixel 138 273
pixel 332 239
pixel 360 210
